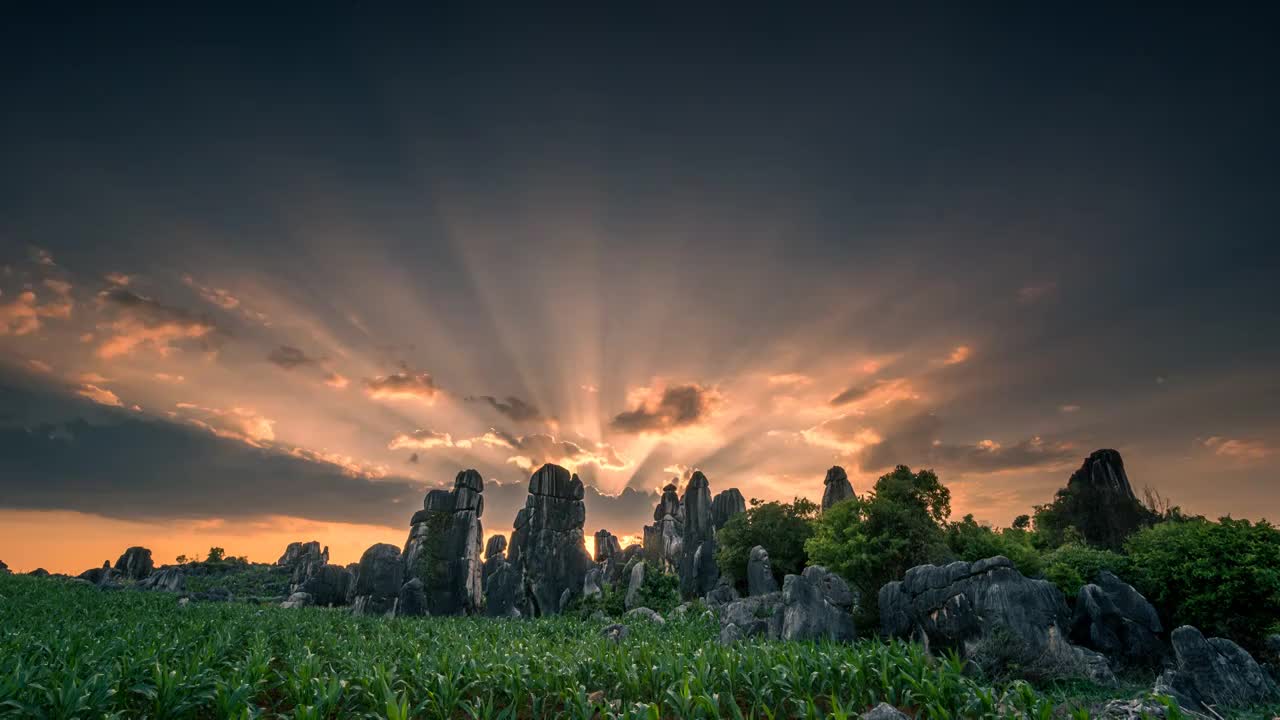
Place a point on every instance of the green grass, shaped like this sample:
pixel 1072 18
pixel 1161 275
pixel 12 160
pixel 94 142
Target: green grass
pixel 72 651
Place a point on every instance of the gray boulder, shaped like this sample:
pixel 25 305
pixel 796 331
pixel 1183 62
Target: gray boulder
pixel 301 552
pixel 884 711
pixel 445 545
pixel 495 554
pixel 167 579
pixel 412 599
pixel 758 615
pixel 760 579
pixel 135 563
pixel 807 615
pixel 725 505
pixel 328 585
pixel 836 487
pixel 4 569
pixel 1213 675
pixel 504 591
pixel 663 539
pixel 615 633
pixel 103 577
pixel 644 613
pixel 1114 619
pixel 730 634
pixel 378 581
pixel 698 569
pixel 591 583
pixel 990 614
pixel 834 589
pixel 634 585
pixel 297 600
pixel 723 593
pixel 38 572
pixel 547 543
pixel 607 545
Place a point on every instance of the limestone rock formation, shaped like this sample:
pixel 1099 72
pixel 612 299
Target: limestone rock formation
pixel 725 505
pixel 495 554
pixel 167 579
pixel 103 577
pixel 723 593
pixel 412 599
pixel 444 547
pixel 644 613
pixel 698 570
pixel 751 616
pixel 297 600
pixel 836 487
pixel 547 546
pixel 615 567
pixel 593 582
pixel 378 581
pixel 1213 673
pixel 135 563
pixel 662 540
pixel 607 545
pixel 38 572
pixel 634 586
pixel 301 552
pixel 328 585
pixel 504 591
pixel 981 607
pixel 884 711
pixel 760 579
pixel 807 614
pixel 1114 619
pixel 1098 501
pixel 4 569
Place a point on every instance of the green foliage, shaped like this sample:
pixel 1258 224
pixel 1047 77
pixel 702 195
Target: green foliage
pixel 1076 564
pixel 781 528
pixel 241 579
pixel 72 651
pixel 970 541
pixel 1222 577
pixel 216 554
pixel 659 591
pixel 876 538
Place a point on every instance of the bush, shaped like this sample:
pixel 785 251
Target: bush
pixel 1223 577
pixel 1073 565
pixel 781 528
pixel 970 541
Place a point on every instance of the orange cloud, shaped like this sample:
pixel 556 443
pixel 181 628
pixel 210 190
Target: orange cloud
pixel 237 423
pixel 660 410
pixel 1237 449
pixel 143 322
pixel 960 354
pixel 421 440
pixel 403 386
pixel 336 381
pixel 102 396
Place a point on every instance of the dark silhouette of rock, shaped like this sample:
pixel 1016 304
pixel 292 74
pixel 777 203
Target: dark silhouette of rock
pixel 698 569
pixel 725 505
pixel 412 600
pixel 504 591
pixel 836 487
pixel 444 547
pixel 494 555
pixel 1114 619
pixel 135 563
pixel 4 569
pixel 301 552
pixel 989 613
pixel 758 615
pixel 760 579
pixel 103 577
pixel 806 612
pixel 378 580
pixel 593 583
pixel 328 585
pixel 1098 501
pixel 723 593
pixel 663 539
pixel 616 565
pixel 547 544
pixel 634 585
pixel 1213 675
pixel 606 545
pixel 166 579
pixel 38 572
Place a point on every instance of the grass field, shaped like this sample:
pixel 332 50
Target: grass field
pixel 68 651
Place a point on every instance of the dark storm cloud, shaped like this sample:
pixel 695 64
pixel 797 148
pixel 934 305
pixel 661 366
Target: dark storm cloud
pixel 677 406
pixel 289 357
pixel 852 394
pixel 512 407
pixel 121 465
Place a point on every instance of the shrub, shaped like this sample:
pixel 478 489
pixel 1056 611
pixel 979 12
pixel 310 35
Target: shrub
pixel 1222 577
pixel 1074 564
pixel 970 541
pixel 781 528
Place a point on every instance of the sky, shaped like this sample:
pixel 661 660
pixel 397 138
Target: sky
pixel 271 277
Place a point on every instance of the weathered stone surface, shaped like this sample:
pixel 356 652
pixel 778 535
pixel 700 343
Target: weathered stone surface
pixel 836 487
pixel 884 711
pixel 378 580
pixel 168 579
pixel 504 591
pixel 663 539
pixel 756 615
pixel 298 552
pixel 444 547
pixel 615 633
pixel 730 634
pixel 297 600
pixel 760 579
pixel 698 570
pixel 412 599
pixel 725 505
pixel 834 589
pixel 1213 673
pixel 723 593
pixel 135 563
pixel 104 577
pixel 547 543
pixel 634 584
pixel 607 545
pixel 4 569
pixel 1099 502
pixel 1114 619
pixel 38 572
pixel 975 608
pixel 806 614
pixel 494 555
pixel 592 583
pixel 328 585
pixel 615 567
pixel 644 613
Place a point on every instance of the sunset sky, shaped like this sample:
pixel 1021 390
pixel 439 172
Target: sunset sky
pixel 271 278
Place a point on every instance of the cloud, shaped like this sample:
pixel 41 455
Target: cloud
pixel 39 366
pixel 1239 449
pixel 169 378
pixel 334 380
pixel 1069 408
pixel 529 452
pixel 512 407
pixel 876 394
pixel 237 423
pixel 661 411
pixel 41 256
pixel 790 379
pixel 404 385
pixel 225 300
pixel 141 322
pixel 23 314
pixel 590 388
pixel 421 439
pixel 116 278
pixel 289 357
pixel 413 459
pixel 100 395
pixel 960 354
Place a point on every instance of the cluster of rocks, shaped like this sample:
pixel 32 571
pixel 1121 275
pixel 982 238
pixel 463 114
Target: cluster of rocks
pixel 814 605
pixel 547 547
pixel 682 539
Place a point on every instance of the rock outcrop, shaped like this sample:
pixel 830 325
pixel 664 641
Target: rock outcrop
pixel 38 572
pixel 297 601
pixel 698 569
pixel 884 711
pixel 378 580
pixel 810 610
pixel 758 615
pixel 444 547
pixel 725 505
pixel 547 546
pixel 104 577
pixel 302 553
pixel 723 593
pixel 663 539
pixel 1212 675
pixel 135 563
pixel 495 554
pixel 328 585
pixel 4 569
pixel 166 579
pixel 1098 501
pixel 836 487
pixel 412 599
pixel 504 590
pixel 607 545
pixel 1114 619
pixel 760 579
pixel 634 585
pixel 989 613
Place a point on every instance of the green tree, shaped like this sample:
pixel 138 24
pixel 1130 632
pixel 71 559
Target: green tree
pixel 876 538
pixel 1222 577
pixel 1075 564
pixel 216 554
pixel 781 528
pixel 970 541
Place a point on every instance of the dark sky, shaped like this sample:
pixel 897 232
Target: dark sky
pixel 351 250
